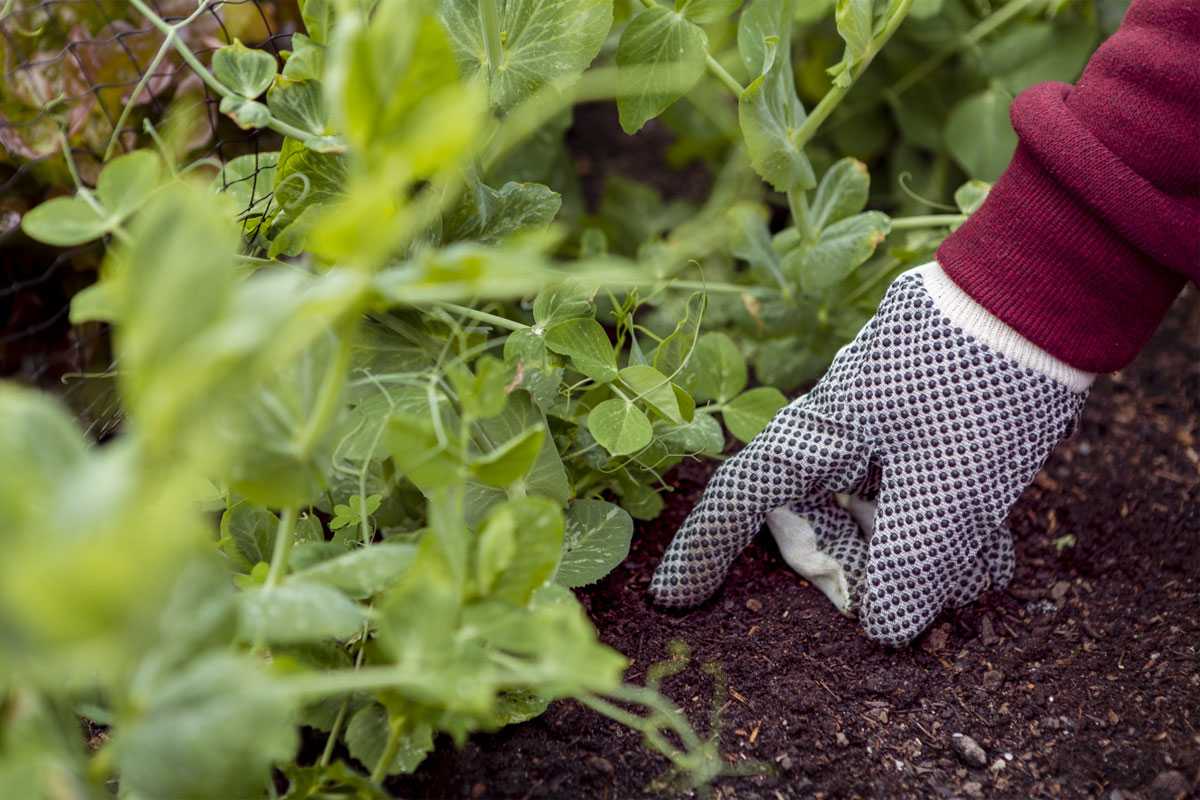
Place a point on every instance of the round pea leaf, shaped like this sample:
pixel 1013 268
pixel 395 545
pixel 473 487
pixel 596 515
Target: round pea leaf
pixel 750 411
pixel 597 540
pixel 620 427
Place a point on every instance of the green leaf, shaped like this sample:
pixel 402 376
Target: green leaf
pixel 393 83
pixel 281 458
pixel 660 58
pixel 717 370
pixel 334 781
pixel 751 242
pixel 482 393
pixel 842 248
pixel 749 413
pixel 305 178
pixel 250 529
pixel 367 738
pixel 653 388
pixel 243 70
pixel 537 526
pixel 539 42
pixel 673 352
pixel 855 24
pixel 842 192
pixel 99 302
pixel 641 501
pixel 299 104
pixel 706 12
pixel 485 214
pixel 178 278
pixel 546 477
pixel 307 59
pixel 363 572
pixel 497 547
pixel 562 301
pixel 38 434
pixel 127 182
pixel 970 196
pixel 701 436
pixel 597 540
pixel 419 454
pixel 297 612
pixel 769 111
pixel 248 114
pixel 212 728
pixel 509 462
pixel 249 180
pixel 1036 52
pixel 620 427
pixel 980 136
pixel 586 343
pixel 66 221
pixel 318 18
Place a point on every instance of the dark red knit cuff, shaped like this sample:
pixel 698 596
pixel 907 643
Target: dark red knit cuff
pixel 1045 256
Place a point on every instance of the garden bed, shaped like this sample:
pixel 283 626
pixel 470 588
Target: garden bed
pixel 1083 678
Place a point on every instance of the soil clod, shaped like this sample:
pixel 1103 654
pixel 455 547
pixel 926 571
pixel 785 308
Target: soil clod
pixel 968 750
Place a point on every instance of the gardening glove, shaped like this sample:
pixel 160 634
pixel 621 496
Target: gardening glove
pixel 940 412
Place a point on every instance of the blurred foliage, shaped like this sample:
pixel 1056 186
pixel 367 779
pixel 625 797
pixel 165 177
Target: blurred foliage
pixel 393 387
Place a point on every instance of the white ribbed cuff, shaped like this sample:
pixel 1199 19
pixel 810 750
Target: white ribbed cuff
pixel 976 321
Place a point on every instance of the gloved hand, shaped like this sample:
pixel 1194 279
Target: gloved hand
pixel 940 412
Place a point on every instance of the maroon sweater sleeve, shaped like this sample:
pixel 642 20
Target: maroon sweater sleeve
pixel 1094 228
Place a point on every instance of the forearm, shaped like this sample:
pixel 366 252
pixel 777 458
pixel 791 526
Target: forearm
pixel 1095 226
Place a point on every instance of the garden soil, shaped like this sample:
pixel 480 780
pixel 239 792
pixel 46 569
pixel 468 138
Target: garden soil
pixel 1081 680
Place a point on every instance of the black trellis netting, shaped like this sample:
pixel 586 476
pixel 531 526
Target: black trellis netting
pixel 69 68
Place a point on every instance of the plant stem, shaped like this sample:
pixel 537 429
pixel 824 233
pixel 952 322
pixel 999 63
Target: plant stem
pixel 798 203
pixel 483 316
pixel 723 75
pixel 714 66
pixel 277 125
pixel 328 396
pixel 395 729
pixel 489 18
pixel 715 287
pixel 835 95
pixel 167 44
pixel 971 37
pixel 284 535
pixel 928 221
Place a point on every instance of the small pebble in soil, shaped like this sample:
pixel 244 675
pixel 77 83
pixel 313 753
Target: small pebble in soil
pixel 600 764
pixel 993 679
pixel 754 605
pixel 1170 785
pixel 968 750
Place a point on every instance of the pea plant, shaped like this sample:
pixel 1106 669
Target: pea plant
pixel 392 390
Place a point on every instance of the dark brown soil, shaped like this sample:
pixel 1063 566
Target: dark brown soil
pixel 1083 678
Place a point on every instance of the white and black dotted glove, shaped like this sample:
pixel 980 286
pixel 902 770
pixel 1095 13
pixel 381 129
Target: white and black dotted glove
pixel 937 416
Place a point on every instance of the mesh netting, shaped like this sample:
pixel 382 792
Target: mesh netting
pixel 70 67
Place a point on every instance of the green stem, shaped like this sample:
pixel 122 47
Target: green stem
pixel 837 94
pixel 277 125
pixel 395 730
pixel 167 44
pixel 972 37
pixel 284 535
pixel 717 287
pixel 493 47
pixel 798 204
pixel 723 75
pixel 483 316
pixel 329 396
pixel 928 221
